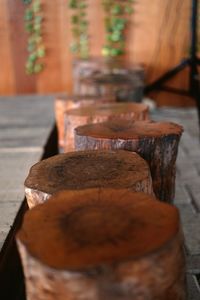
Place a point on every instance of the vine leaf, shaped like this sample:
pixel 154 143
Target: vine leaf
pixel 33 19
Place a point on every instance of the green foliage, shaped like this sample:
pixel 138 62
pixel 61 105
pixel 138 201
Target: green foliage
pixel 79 27
pixel 27 1
pixel 33 19
pixel 117 13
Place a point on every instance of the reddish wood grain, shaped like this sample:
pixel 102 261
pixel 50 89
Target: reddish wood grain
pixel 17 45
pixel 7 80
pixel 158 38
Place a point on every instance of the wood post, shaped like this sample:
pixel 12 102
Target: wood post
pixel 156 142
pixel 100 113
pixel 103 244
pixel 124 83
pixel 83 69
pixel 107 78
pixel 64 103
pixel 87 169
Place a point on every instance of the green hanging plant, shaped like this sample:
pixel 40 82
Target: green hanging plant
pixel 79 27
pixel 117 13
pixel 33 19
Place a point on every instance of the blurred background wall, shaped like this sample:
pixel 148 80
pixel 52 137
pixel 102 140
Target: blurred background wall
pixel 158 38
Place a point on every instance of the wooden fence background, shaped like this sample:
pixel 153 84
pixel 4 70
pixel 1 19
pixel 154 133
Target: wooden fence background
pixel 158 38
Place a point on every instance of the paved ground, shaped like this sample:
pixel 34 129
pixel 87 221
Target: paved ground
pixel 187 197
pixel 25 123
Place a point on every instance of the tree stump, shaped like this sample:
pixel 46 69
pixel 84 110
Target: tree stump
pixel 103 244
pixel 126 85
pixel 83 69
pixel 156 142
pixel 100 113
pixel 87 169
pixel 64 103
pixel 113 77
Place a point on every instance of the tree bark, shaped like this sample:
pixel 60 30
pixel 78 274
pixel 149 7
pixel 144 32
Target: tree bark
pixel 87 169
pixel 64 103
pixel 108 78
pixel 156 142
pixel 101 113
pixel 83 69
pixel 103 244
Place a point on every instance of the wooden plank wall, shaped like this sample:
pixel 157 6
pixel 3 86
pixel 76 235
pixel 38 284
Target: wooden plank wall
pixel 158 38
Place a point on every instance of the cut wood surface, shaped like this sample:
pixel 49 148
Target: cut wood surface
pixel 100 113
pixel 64 103
pixel 156 142
pixel 103 244
pixel 86 169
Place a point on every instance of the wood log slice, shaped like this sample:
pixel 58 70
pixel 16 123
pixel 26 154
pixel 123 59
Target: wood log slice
pixel 156 142
pixel 86 169
pixel 101 113
pixel 103 244
pixel 64 103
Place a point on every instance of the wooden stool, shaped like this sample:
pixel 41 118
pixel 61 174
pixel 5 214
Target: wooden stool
pixel 87 169
pixel 100 113
pixel 156 142
pixel 126 85
pixel 102 77
pixel 64 103
pixel 103 244
pixel 83 69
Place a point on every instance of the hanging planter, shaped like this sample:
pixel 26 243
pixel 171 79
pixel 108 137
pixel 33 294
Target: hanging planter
pixel 33 19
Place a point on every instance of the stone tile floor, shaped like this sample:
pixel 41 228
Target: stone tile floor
pixel 187 196
pixel 25 125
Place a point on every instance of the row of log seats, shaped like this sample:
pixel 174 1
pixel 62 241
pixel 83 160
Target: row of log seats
pixel 156 142
pixel 100 113
pixel 102 244
pixel 65 103
pixel 102 235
